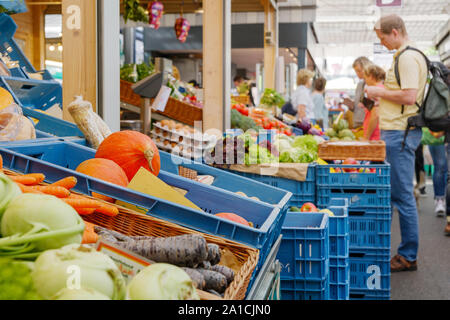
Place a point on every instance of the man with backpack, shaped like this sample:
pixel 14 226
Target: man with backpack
pixel 397 105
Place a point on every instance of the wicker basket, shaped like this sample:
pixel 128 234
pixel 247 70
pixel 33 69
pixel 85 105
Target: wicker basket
pixel 127 94
pixel 363 151
pixel 182 112
pixel 131 223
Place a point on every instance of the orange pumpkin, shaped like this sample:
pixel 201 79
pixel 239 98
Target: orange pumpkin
pixel 233 217
pixel 131 150
pixel 6 99
pixel 106 170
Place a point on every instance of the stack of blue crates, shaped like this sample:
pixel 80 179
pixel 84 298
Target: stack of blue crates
pixel 304 256
pixel 339 250
pixel 368 193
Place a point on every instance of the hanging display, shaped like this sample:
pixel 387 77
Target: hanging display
pixel 182 27
pixel 155 10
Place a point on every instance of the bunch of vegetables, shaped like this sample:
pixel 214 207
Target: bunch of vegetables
pixel 240 121
pixel 190 252
pixel 136 72
pixel 302 149
pixel 134 11
pixel 271 97
pixel 340 131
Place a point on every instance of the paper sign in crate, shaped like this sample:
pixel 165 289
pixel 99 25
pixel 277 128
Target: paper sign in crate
pixel 370 227
pixel 58 160
pixel 303 253
pixel 370 269
pixel 335 175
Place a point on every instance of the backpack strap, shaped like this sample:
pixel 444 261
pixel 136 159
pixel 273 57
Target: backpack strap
pixel 397 71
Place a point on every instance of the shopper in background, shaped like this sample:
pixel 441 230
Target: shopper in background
pixel 238 80
pixel 356 108
pixel 421 177
pixel 301 98
pixel 413 72
pixel 437 151
pixel 320 109
pixel 373 76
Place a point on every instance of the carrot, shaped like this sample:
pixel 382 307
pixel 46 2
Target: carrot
pixel 27 189
pixel 39 177
pixel 82 203
pixel 85 211
pixel 25 180
pixel 67 183
pixel 59 192
pixel 107 210
pixel 89 235
pixel 1 163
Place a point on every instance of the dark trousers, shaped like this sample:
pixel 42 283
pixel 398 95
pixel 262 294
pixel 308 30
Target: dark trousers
pixel 419 163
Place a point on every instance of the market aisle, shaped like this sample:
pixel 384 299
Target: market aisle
pixel 432 279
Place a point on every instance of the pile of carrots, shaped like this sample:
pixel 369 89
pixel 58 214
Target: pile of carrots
pixel 31 183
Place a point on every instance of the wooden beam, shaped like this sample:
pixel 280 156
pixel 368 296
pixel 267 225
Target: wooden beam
pixel 38 37
pixel 270 49
pixel 80 52
pixel 213 42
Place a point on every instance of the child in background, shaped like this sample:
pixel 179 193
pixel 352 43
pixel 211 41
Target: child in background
pixel 373 76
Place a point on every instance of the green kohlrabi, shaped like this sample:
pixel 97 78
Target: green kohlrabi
pixel 8 191
pixel 77 267
pixel 33 223
pixel 161 281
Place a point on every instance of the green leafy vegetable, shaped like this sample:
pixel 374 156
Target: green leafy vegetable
pixel 272 98
pixel 16 282
pixel 134 11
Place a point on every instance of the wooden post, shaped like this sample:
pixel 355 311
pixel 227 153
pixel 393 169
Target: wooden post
pixel 216 52
pixel 80 52
pixel 270 49
pixel 38 37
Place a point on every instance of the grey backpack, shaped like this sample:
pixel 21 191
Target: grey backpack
pixel 434 113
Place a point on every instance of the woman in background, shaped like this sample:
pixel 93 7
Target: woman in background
pixel 320 109
pixel 301 98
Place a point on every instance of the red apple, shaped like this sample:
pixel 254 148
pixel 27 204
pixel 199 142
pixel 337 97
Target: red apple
pixel 349 161
pixel 309 207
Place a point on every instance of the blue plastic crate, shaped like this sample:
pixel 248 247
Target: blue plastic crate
pixel 34 94
pixel 370 231
pixel 357 197
pixel 51 125
pixel 381 177
pixel 304 289
pixel 370 294
pixel 339 232
pixel 304 249
pixel 370 269
pixel 9 47
pixel 59 159
pixel 339 278
pixel 302 191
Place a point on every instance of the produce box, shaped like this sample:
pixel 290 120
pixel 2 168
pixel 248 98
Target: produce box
pixel 340 150
pixel 370 272
pixel 59 159
pixel 370 228
pixel 304 256
pixel 358 197
pixel 131 223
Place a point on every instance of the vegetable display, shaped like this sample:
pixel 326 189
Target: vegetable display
pixel 161 281
pixel 16 282
pixel 33 223
pixel 95 270
pixel 131 150
pixel 106 170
